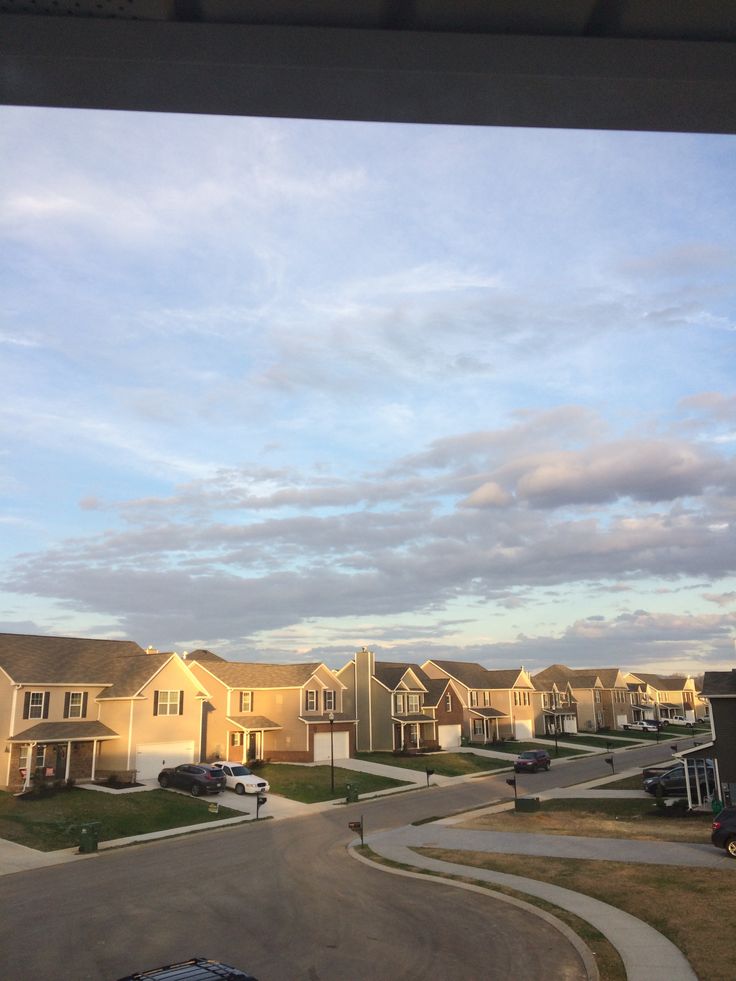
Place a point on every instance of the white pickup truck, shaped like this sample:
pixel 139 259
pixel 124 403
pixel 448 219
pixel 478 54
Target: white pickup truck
pixel 679 720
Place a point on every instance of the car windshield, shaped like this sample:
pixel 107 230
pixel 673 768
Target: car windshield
pixel 528 755
pixel 240 771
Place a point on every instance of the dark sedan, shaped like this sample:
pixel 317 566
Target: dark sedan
pixel 197 778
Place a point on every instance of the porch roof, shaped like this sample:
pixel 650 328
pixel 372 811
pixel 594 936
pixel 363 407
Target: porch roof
pixel 313 720
pixel 412 717
pixel 489 713
pixel 253 722
pixel 561 710
pixel 51 732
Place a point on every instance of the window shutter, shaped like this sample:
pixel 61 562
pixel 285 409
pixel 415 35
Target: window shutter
pixel 46 700
pixel 27 705
pixel 67 697
pixel 84 705
pixel 181 703
pixel 155 702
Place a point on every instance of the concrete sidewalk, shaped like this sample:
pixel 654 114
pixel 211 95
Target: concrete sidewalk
pixel 647 955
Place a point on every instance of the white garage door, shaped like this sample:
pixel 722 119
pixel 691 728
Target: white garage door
pixel 448 736
pixel 322 746
pixel 523 729
pixel 150 758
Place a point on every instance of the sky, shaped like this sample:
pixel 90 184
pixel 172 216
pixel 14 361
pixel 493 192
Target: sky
pixel 285 388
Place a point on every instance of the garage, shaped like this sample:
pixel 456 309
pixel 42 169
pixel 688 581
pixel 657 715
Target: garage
pixel 449 736
pixel 523 729
pixel 151 758
pixel 322 751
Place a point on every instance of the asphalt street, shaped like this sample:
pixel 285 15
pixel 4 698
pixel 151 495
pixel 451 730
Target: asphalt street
pixel 284 901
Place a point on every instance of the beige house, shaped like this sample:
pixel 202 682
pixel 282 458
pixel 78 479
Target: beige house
pixel 556 706
pixel 498 704
pixel 286 712
pixel 669 697
pixel 81 709
pixel 602 696
pixel 388 699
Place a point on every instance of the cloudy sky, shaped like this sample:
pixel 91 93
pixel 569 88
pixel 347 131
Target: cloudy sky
pixel 283 388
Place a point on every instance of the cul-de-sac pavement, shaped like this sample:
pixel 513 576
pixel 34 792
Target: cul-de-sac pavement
pixel 286 899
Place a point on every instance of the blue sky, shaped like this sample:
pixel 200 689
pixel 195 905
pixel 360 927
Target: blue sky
pixel 282 388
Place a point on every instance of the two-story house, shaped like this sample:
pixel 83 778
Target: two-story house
pixel 388 700
pixel 497 704
pixel 601 696
pixel 81 709
pixel 719 687
pixel 670 696
pixel 285 712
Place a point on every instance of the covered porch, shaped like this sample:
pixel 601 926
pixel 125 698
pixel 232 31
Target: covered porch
pixel 57 751
pixel 560 720
pixel 414 731
pixel 489 725
pixel 247 738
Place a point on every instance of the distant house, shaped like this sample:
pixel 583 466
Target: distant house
pixel 285 712
pixel 669 696
pixel 497 704
pixel 80 709
pixel 601 696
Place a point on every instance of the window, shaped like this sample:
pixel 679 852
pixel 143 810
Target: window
pixel 597 695
pixel 36 705
pixel 246 701
pixel 236 738
pixel 516 698
pixel 412 703
pixel 478 727
pixel 310 701
pixel 399 704
pixel 448 702
pixel 75 705
pixel 486 698
pixel 328 698
pixel 38 759
pixel 168 703
pixel 473 699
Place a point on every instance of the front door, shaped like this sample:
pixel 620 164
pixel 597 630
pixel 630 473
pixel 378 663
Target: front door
pixel 60 762
pixel 252 753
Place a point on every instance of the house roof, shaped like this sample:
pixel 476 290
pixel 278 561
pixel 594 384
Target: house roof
pixel 560 674
pixel 391 674
pixel 436 688
pixel 719 683
pixel 242 674
pixel 412 717
pixel 201 654
pixel 468 673
pixel 48 732
pixel 31 659
pixel 253 722
pixel 489 713
pixel 661 683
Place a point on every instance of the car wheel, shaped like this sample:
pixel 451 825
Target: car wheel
pixel 547 767
pixel 196 790
pixel 163 782
pixel 731 847
pixel 239 788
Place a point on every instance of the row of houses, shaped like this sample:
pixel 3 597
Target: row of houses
pixel 86 709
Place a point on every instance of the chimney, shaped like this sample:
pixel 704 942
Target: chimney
pixel 151 650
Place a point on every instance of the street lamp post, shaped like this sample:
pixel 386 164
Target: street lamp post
pixel 331 717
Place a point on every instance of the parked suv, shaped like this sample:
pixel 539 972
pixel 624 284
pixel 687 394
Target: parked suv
pixel 673 781
pixel 532 760
pixel 723 834
pixel 197 778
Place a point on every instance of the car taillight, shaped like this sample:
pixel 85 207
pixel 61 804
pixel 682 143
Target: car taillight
pixel 716 826
pixel 208 776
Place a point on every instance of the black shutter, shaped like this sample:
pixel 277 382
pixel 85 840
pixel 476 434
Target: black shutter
pixel 155 703
pixel 27 705
pixel 84 705
pixel 67 697
pixel 46 700
pixel 181 703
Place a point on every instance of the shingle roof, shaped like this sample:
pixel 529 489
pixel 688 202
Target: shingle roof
pixel 53 731
pixel 661 683
pixel 435 690
pixel 719 683
pixel 254 722
pixel 390 673
pixel 32 659
pixel 130 674
pixel 203 655
pixel 239 674
pixel 469 674
pixel 560 674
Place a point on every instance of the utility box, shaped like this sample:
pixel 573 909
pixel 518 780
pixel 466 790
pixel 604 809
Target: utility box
pixel 528 804
pixel 351 793
pixel 89 836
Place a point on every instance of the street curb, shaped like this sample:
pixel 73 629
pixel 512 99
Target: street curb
pixel 584 952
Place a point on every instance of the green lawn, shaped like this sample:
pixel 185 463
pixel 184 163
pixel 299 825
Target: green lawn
pixel 310 784
pixel 50 823
pixel 584 741
pixel 445 764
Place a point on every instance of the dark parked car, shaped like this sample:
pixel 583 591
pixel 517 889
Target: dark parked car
pixel 723 834
pixel 197 778
pixel 195 969
pixel 673 781
pixel 532 760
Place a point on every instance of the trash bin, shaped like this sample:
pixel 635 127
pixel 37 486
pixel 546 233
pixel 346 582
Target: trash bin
pixel 89 836
pixel 528 804
pixel 352 792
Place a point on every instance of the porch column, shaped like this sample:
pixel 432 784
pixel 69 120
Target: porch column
pixel 29 765
pixel 94 758
pixel 68 759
